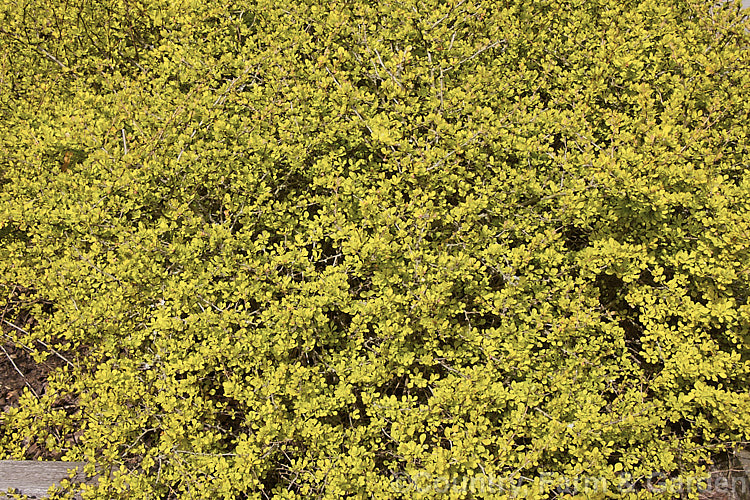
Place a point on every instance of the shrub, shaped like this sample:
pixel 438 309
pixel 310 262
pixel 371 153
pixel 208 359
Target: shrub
pixel 377 249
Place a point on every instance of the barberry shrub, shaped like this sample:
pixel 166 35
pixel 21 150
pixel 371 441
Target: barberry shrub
pixel 355 249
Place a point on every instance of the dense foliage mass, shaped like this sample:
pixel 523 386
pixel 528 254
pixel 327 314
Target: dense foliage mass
pixel 377 249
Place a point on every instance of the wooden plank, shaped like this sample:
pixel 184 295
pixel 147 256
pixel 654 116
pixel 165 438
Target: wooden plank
pixel 744 458
pixel 34 478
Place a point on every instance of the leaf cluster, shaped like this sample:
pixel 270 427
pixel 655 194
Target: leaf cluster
pixel 292 250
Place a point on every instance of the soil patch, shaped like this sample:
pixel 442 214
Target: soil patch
pixel 18 370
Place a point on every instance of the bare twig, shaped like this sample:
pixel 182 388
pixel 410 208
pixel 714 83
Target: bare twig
pixel 441 90
pixel 353 108
pixel 19 371
pixel 53 351
pixel 53 59
pixel 483 49
pixel 380 60
pixel 88 261
pixel 446 16
pixel 451 153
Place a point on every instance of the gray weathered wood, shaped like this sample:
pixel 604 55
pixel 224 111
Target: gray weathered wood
pixel 34 478
pixel 744 457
